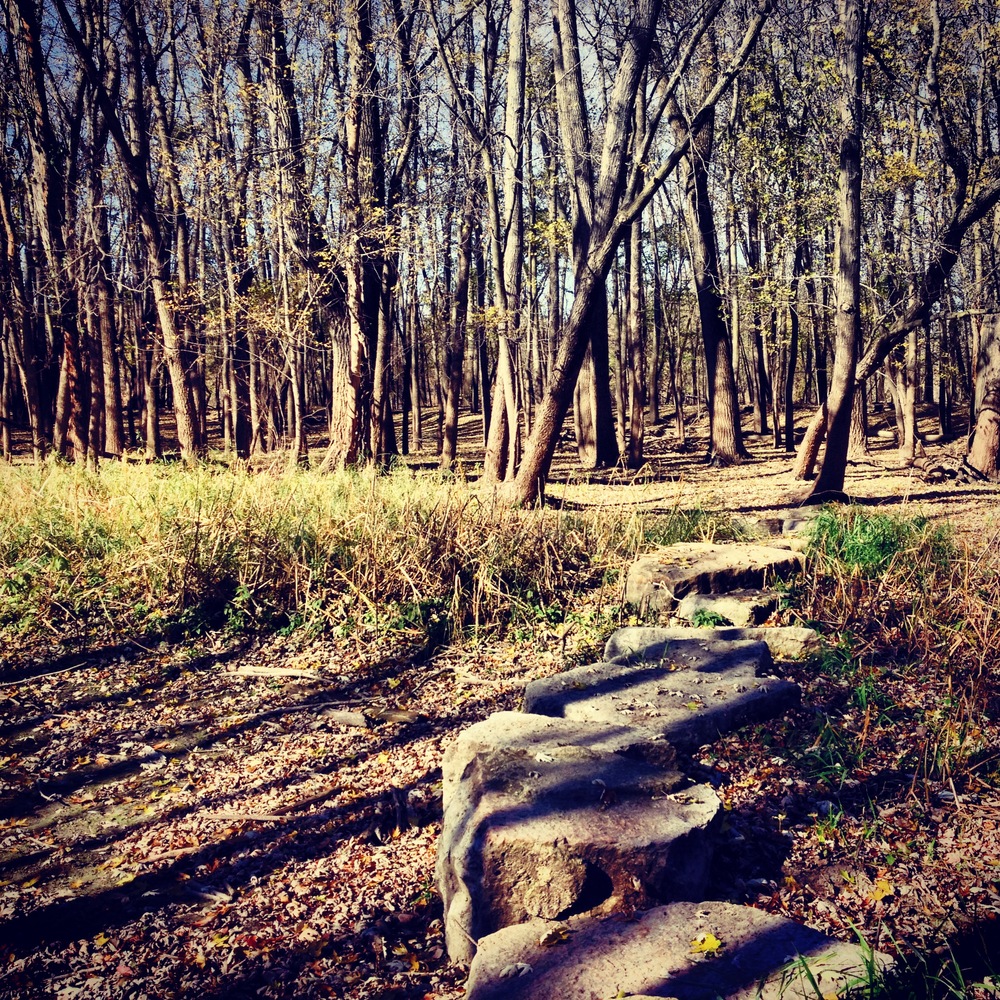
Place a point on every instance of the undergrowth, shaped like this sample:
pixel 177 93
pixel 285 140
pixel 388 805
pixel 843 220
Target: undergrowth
pixel 166 549
pixel 911 616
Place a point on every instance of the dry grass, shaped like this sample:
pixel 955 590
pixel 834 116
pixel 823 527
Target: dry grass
pixel 166 547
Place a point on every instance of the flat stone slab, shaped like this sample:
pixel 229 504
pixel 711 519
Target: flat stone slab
pixel 690 691
pixel 659 580
pixel 761 956
pixel 540 734
pixel 558 827
pixel 786 642
pixel 742 608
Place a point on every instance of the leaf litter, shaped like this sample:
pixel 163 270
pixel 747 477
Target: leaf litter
pixel 168 829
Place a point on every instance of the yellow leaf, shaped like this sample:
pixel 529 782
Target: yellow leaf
pixel 29 883
pixel 883 888
pixel 555 936
pixel 706 944
pixel 101 940
pixel 383 758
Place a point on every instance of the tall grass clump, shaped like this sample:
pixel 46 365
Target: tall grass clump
pixel 918 613
pixel 162 547
pixel 878 543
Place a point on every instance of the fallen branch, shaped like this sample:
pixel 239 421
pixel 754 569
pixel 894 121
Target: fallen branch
pixel 37 677
pixel 177 852
pixel 249 671
pixel 341 717
pixel 460 675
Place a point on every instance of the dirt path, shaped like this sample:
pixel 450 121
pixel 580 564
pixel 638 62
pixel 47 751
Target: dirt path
pixel 167 829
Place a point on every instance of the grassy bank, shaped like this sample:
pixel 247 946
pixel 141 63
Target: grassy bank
pixel 169 549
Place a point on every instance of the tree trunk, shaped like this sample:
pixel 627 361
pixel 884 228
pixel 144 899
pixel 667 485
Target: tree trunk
pixel 725 433
pixel 455 343
pixel 583 414
pixel 809 449
pixel 847 266
pixel 352 435
pixel 636 342
pixel 984 451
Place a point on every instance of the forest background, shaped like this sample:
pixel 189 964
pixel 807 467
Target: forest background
pixel 263 218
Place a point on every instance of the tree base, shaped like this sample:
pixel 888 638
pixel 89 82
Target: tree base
pixel 826 496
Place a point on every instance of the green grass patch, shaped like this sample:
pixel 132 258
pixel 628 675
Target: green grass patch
pixel 873 543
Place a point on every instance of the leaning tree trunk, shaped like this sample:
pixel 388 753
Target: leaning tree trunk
pixel 612 214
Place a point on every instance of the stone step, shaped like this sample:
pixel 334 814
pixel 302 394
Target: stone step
pixel 742 608
pixel 547 818
pixel 654 955
pixel 691 691
pixel 659 580
pixel 786 642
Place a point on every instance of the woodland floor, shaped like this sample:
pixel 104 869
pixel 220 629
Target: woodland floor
pixel 170 827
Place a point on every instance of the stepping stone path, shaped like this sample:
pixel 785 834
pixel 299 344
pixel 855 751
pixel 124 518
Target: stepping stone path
pixel 651 955
pixel 574 853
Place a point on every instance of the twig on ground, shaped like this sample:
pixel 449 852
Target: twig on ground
pixel 343 718
pixel 177 852
pixel 49 673
pixel 252 671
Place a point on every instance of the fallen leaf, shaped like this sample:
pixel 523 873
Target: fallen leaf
pixel 706 944
pixel 555 936
pixel 883 888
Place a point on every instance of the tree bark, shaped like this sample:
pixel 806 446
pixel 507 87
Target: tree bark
pixel 847 266
pixel 725 433
pixel 984 451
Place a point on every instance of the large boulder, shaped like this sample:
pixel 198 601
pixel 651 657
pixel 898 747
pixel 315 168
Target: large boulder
pixel 659 580
pixel 637 642
pixel 563 825
pixel 656 954
pixel 689 692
